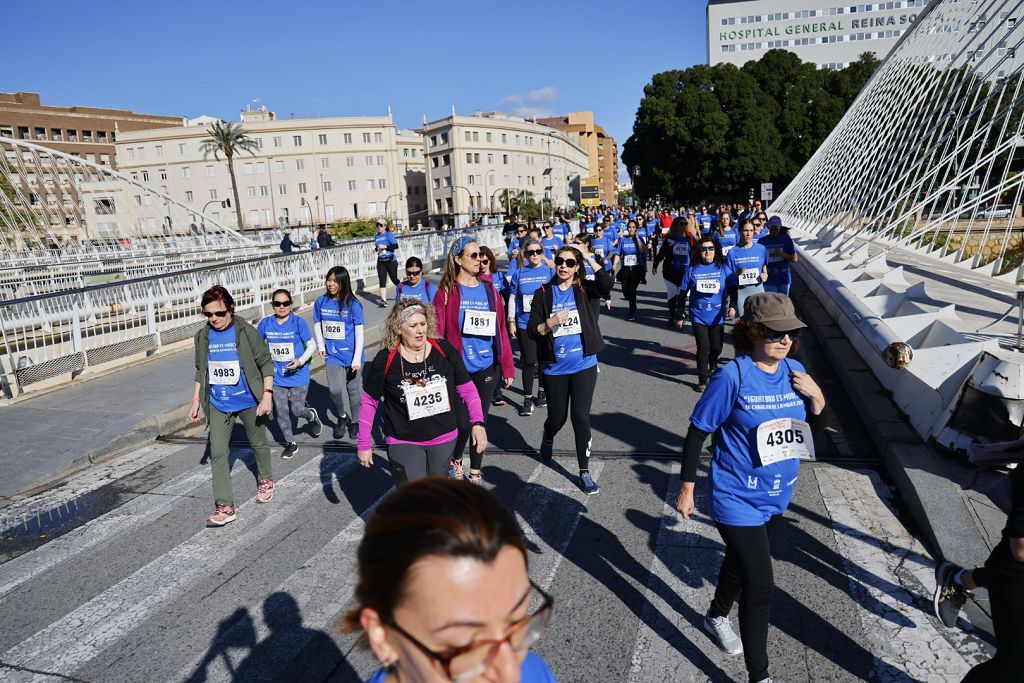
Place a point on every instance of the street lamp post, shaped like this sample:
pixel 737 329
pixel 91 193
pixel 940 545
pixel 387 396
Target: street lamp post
pixel 455 187
pixel 270 172
pixel 400 195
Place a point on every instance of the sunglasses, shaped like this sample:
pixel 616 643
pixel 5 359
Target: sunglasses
pixel 282 303
pixel 475 255
pixel 414 273
pixel 219 314
pixel 774 336
pixel 485 261
pixel 567 262
pixel 707 248
pixel 534 252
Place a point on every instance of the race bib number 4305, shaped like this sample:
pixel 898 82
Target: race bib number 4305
pixel 784 439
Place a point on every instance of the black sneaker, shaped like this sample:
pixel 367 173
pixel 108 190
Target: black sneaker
pixel 381 304
pixel 353 430
pixel 587 483
pixel 316 427
pixel 339 431
pixel 546 450
pixel 497 400
pixel 631 317
pixel 290 450
pixel 542 400
pixel 526 410
pixel 949 596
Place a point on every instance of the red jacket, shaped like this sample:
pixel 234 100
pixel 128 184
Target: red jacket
pixel 448 304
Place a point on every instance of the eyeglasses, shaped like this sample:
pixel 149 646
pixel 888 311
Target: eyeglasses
pixel 534 252
pixel 414 273
pixel 485 261
pixel 219 314
pixel 567 262
pixel 475 255
pixel 462 664
pixel 282 303
pixel 774 336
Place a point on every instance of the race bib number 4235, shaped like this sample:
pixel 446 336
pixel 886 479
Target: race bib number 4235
pixel 784 439
pixel 428 400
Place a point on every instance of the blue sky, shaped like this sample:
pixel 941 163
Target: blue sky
pixel 350 58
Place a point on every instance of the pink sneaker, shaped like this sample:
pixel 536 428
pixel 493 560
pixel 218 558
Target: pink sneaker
pixel 223 515
pixel 265 490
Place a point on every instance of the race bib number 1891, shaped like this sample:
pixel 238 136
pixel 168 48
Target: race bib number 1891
pixel 480 323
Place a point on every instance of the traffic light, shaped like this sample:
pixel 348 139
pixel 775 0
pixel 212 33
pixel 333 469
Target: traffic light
pixel 226 204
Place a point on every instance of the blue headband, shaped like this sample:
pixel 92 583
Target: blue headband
pixel 460 244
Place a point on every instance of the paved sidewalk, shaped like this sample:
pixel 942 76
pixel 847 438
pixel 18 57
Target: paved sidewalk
pixel 58 432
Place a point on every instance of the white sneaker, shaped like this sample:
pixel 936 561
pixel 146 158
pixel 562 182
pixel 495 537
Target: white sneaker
pixel 720 628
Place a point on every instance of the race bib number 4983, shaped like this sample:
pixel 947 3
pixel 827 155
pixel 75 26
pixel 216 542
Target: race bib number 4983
pixel 224 372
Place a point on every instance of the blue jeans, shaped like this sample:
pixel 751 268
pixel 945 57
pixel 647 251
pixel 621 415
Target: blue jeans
pixel 781 289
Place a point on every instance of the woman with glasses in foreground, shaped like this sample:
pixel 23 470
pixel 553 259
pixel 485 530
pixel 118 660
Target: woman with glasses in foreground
pixel 433 533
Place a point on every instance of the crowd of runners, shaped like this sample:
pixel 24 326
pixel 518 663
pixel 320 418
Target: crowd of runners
pixel 448 350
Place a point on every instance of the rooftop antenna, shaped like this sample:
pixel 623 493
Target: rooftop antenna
pixel 389 111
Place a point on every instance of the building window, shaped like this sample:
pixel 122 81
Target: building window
pixel 181 149
pixel 261 167
pixel 297 140
pixel 188 196
pixel 348 138
pixel 444 138
pixel 159 151
pixel 469 157
pixel 380 160
pixel 247 169
pixel 378 137
pixel 209 170
pixel 282 189
pixel 163 174
pixel 264 190
pixel 382 184
pixel 504 138
pixel 350 162
pixel 213 194
pixel 302 188
pixel 433 141
pixel 145 176
pixel 468 137
pixel 277 141
pixel 130 152
pixel 437 183
pixel 504 159
pixel 279 166
pixel 72 134
pixel 472 180
pixel 366 138
pixel 351 186
pixel 368 161
pixel 55 134
pixel 251 191
pixel 327 186
pixel 300 164
pixel 476 157
pixel 322 138
pixel 186 172
pixel 370 184
pixel 325 162
pixel 487 136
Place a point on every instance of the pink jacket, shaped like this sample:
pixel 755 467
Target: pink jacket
pixel 448 304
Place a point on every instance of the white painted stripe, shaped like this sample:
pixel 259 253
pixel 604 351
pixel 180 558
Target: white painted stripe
pixel 887 567
pixel 85 632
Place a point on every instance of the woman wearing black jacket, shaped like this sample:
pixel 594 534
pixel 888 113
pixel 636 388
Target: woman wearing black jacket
pixel 568 337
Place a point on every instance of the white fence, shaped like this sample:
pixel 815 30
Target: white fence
pixel 45 337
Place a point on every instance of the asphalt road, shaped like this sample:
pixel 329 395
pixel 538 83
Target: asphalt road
pixel 112 576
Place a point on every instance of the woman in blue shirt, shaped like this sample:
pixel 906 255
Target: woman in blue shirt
pixel 531 274
pixel 633 269
pixel 384 245
pixel 292 347
pixel 748 265
pixel 707 283
pixel 677 253
pixel 415 284
pixel 781 252
pixel 338 325
pixel 725 235
pixel 757 407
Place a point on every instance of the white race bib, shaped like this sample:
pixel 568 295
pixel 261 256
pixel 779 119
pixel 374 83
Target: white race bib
pixel 750 276
pixel 599 251
pixel 629 260
pixel 571 326
pixel 333 329
pixel 681 249
pixel 527 302
pixel 775 255
pixel 225 372
pixel 282 351
pixel 708 286
pixel 480 323
pixel 783 439
pixel 428 400
pixel 726 250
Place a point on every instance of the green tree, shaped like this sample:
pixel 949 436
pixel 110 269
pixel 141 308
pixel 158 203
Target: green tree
pixel 229 139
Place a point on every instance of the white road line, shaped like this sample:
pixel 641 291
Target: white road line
pixel 72 641
pixel 888 568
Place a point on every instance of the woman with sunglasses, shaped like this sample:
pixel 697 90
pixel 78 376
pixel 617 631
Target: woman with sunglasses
pixel 514 247
pixel 725 234
pixel 568 338
pixel 748 265
pixel 676 252
pixel 760 221
pixel 384 245
pixel 338 325
pixel 430 533
pixel 530 276
pixel 292 347
pixel 633 269
pixel 469 312
pixel 757 407
pixel 781 253
pixel 415 284
pixel 707 284
pixel 489 265
pixel 234 380
pixel 417 380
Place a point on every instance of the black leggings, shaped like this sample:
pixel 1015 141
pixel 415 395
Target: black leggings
pixel 528 355
pixel 409 461
pixel 486 381
pixel 1007 601
pixel 748 567
pixel 709 348
pixel 630 283
pixel 387 269
pixel 579 387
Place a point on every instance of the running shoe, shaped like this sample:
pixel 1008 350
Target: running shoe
pixel 608 304
pixel 497 400
pixel 290 450
pixel 720 629
pixel 588 484
pixel 526 410
pixel 455 470
pixel 542 399
pixel 339 430
pixel 701 386
pixel 264 490
pixel 315 425
pixel 631 317
pixel 546 450
pixel 475 478
pixel 381 304
pixel 353 430
pixel 949 596
pixel 223 515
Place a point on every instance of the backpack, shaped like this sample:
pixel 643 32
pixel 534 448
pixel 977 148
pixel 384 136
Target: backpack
pixel 394 351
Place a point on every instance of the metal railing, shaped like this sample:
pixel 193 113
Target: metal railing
pixel 64 333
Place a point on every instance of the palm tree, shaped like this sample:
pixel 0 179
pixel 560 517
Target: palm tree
pixel 229 139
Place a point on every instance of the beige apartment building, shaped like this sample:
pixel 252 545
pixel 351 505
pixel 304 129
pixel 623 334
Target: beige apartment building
pixel 304 170
pixel 602 152
pixel 472 159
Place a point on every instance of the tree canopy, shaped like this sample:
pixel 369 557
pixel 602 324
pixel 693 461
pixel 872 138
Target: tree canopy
pixel 712 132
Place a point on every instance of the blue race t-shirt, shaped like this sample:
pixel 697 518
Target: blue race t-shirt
pixel 513 246
pixel 551 245
pixel 590 227
pixel 569 358
pixel 225 366
pixel 742 491
pixel 705 221
pixel 525 282
pixel 382 240
pixel 604 246
pixel 726 240
pixel 338 326
pixel 653 227
pixel 424 291
pixel 707 285
pixel 778 266
pixel 561 230
pixel 754 258
pixel 628 247
pixel 680 250
pixel 477 350
pixel 287 341
pixel 533 670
